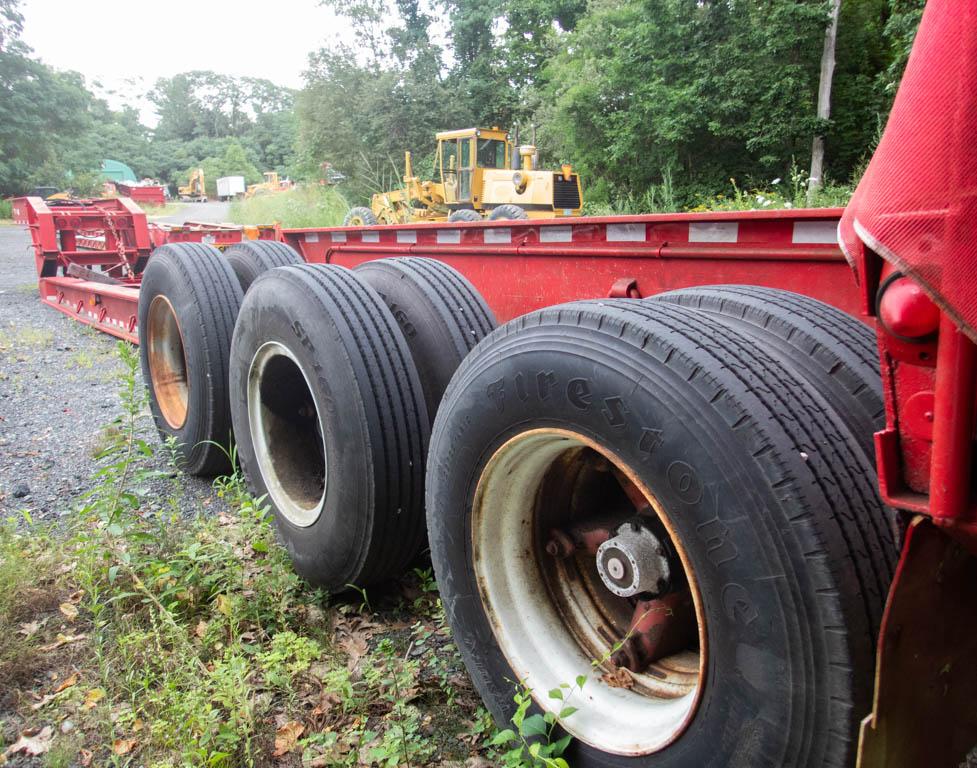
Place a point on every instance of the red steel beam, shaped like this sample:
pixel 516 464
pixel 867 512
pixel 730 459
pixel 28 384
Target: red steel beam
pixel 953 423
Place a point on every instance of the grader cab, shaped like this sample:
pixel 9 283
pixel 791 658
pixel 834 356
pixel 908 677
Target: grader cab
pixel 480 173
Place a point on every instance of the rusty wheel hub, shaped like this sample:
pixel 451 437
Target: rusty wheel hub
pixel 168 362
pixel 581 574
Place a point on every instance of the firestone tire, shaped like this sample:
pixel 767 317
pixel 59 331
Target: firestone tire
pixel 440 313
pixel 188 303
pixel 360 216
pixel 251 258
pixel 835 352
pixel 508 211
pixel 464 214
pixel 331 423
pixel 766 498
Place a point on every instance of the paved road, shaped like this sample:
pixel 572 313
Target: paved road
pixel 58 390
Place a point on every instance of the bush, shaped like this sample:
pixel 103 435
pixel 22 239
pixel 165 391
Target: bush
pixel 304 206
pixel 6 209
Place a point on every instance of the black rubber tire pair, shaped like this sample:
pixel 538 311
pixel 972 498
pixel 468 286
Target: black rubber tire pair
pixel 205 289
pixel 251 258
pixel 364 356
pixel 785 533
pixel 508 211
pixel 360 216
pixel 464 214
pixel 205 296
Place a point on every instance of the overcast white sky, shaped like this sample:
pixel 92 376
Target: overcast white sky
pixel 127 44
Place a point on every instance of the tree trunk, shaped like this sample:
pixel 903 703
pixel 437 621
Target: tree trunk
pixel 824 100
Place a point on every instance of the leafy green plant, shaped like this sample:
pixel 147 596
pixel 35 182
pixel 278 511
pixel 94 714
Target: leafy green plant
pixel 532 741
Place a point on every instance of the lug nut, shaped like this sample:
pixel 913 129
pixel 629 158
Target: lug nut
pixel 560 545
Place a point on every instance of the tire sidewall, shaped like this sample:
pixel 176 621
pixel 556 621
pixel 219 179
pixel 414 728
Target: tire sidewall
pixel 330 544
pixel 163 277
pixel 749 596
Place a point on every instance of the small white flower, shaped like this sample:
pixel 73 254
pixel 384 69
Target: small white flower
pixel 776 181
pixel 788 205
pixel 766 203
pixel 760 198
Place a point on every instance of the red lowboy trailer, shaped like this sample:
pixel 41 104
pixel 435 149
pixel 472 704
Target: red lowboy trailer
pixel 674 496
pixel 518 266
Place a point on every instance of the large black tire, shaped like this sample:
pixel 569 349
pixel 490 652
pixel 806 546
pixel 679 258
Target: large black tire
pixel 188 302
pixel 250 258
pixel 440 313
pixel 360 216
pixel 336 430
pixel 763 490
pixel 464 214
pixel 508 211
pixel 832 350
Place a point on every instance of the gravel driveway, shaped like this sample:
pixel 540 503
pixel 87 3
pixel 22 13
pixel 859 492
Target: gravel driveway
pixel 58 389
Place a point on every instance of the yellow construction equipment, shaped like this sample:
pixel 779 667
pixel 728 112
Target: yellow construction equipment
pixel 481 173
pixel 196 190
pixel 271 184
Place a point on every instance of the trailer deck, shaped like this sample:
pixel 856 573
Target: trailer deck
pixel 519 266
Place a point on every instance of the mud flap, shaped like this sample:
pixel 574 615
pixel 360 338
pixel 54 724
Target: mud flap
pixel 926 672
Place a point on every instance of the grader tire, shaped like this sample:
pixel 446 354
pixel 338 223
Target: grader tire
pixel 508 211
pixel 251 258
pixel 464 214
pixel 360 216
pixel 762 504
pixel 330 423
pixel 188 303
pixel 440 313
pixel 832 350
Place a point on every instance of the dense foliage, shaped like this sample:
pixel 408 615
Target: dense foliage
pixel 55 131
pixel 639 94
pixel 657 102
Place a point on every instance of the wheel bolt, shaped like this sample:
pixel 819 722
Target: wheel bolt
pixel 560 545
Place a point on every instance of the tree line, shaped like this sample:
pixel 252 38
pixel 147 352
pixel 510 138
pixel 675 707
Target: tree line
pixel 54 131
pixel 642 96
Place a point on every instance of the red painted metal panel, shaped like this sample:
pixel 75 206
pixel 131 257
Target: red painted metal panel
pixel 154 195
pixel 520 266
pixel 109 308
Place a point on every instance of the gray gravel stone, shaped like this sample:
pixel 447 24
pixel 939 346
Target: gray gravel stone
pixel 58 390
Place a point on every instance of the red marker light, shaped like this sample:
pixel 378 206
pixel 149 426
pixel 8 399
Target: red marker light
pixel 906 311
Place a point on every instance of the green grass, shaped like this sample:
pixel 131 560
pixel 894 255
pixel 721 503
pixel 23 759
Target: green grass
pixel 304 206
pixel 189 641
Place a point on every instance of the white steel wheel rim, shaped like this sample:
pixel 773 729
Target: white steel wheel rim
pixel 533 636
pixel 293 473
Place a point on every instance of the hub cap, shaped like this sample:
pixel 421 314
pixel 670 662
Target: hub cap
pixel 545 505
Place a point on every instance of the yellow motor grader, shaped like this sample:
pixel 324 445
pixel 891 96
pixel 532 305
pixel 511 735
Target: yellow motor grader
pixel 481 173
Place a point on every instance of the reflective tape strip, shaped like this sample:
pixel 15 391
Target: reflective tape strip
pixel 555 234
pixel 815 232
pixel 370 237
pixel 625 233
pixel 449 236
pixel 406 236
pixel 498 235
pixel 338 237
pixel 714 232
